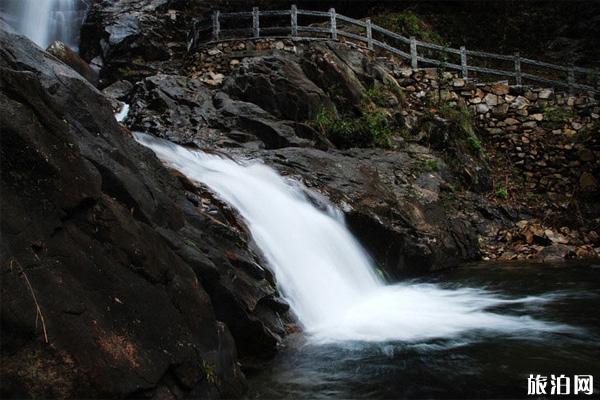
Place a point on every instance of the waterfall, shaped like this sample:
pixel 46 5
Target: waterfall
pixel 44 21
pixel 324 273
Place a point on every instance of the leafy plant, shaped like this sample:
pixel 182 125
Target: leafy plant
pixel 376 94
pixel 209 373
pixel 371 129
pixel 432 165
pixel 475 143
pixel 501 192
pixel 460 116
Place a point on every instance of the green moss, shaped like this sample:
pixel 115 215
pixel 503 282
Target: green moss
pixel 557 114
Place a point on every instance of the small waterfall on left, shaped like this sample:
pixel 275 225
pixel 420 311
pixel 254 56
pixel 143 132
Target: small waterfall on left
pixel 44 21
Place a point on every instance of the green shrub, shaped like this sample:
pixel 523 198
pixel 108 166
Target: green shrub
pixel 462 124
pixel 502 193
pixel 460 116
pixel 475 143
pixel 376 94
pixel 432 165
pixel 371 129
pixel 407 23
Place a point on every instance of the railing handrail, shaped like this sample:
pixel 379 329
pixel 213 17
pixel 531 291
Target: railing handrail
pixel 333 32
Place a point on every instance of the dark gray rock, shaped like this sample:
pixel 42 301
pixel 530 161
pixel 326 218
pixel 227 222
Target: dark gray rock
pixel 120 90
pixel 132 39
pixel 72 59
pixel 186 111
pixel 130 275
pixel 278 85
pixel 396 210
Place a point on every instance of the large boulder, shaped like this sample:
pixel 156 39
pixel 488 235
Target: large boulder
pixel 277 84
pixel 73 60
pixel 400 211
pixel 118 278
pixel 185 111
pixel 131 39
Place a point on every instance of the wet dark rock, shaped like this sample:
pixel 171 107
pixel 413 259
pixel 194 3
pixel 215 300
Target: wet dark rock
pixel 131 279
pixel 120 90
pixel 406 224
pixel 132 39
pixel 556 252
pixel 173 107
pixel 278 85
pixel 73 60
pixel 186 111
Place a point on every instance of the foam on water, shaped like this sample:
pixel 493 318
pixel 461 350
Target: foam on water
pixel 121 115
pixel 325 274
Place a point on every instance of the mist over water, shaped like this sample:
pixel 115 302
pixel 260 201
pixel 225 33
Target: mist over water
pixel 324 273
pixel 44 21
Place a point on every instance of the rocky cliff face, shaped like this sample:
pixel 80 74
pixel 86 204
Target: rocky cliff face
pixel 116 279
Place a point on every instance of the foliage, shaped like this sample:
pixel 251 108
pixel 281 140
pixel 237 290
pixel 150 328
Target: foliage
pixel 209 373
pixel 461 121
pixel 459 116
pixel 557 114
pixel 432 165
pixel 407 23
pixel 371 129
pixel 501 192
pixel 475 144
pixel 376 94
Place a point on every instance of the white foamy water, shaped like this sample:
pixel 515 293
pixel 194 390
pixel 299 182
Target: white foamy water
pixel 325 274
pixel 44 21
pixel 122 113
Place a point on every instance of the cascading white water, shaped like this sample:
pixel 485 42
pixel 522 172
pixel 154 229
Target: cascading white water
pixel 44 21
pixel 323 271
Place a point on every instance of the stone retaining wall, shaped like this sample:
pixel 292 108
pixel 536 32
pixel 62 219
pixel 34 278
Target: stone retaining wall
pixel 550 139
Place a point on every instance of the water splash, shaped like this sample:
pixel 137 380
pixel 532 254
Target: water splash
pixel 323 271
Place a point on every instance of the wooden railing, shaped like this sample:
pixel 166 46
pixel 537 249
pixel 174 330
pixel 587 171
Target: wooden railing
pixel 416 51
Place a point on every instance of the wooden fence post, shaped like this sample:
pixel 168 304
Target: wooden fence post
pixel 333 23
pixel 216 26
pixel 571 79
pixel 294 14
pixel 255 22
pixel 518 77
pixel 413 53
pixel 463 62
pixel 369 34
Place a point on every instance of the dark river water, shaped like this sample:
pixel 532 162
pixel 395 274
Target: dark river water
pixel 475 364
